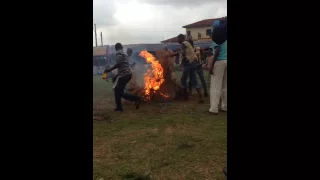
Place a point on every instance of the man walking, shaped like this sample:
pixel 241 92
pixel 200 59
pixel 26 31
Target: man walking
pixel 122 78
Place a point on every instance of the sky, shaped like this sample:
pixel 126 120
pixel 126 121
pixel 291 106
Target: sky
pixel 150 21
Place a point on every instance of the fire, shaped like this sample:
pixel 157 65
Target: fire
pixel 153 78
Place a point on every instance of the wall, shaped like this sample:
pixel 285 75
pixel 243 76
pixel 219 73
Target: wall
pixel 202 30
pixel 99 51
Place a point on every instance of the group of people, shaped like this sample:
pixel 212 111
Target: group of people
pixel 191 65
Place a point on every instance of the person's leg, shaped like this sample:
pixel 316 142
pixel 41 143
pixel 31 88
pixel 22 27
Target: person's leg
pixel 118 90
pixel 194 82
pixel 184 77
pixel 125 80
pixel 203 82
pixel 190 86
pixel 224 92
pixel 216 85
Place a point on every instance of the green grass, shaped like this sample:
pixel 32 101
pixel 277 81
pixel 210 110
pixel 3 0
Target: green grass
pixel 160 141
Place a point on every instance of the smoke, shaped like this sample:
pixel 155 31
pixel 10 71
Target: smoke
pixel 139 69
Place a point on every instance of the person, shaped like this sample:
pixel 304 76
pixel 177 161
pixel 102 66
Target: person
pixel 122 78
pixel 218 70
pixel 188 62
pixel 168 64
pixel 197 51
pixel 129 53
pixel 132 85
pixel 199 72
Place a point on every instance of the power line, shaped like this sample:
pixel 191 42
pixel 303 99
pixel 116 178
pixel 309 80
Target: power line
pixel 95 34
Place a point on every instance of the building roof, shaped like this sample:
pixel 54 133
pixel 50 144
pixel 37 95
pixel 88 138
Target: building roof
pixel 202 23
pixel 171 40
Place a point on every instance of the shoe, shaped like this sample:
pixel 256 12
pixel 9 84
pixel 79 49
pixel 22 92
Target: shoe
pixel 137 103
pixel 222 110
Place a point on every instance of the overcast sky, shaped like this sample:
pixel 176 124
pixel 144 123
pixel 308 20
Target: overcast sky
pixel 150 21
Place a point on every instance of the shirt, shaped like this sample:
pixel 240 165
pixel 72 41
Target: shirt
pixel 187 51
pixel 223 50
pixel 122 60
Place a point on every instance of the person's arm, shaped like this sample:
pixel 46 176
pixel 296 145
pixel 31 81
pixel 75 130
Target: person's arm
pixel 173 54
pixel 183 51
pixel 216 54
pixel 118 62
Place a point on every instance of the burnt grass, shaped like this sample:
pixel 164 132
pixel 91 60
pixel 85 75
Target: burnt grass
pixel 161 141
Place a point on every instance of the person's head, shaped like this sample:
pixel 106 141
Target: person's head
pixel 129 51
pixel 180 38
pixel 118 46
pixel 219 31
pixel 165 48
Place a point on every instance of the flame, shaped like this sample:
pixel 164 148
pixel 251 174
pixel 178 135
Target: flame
pixel 153 78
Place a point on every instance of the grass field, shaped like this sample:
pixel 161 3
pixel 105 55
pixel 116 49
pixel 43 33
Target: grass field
pixel 162 141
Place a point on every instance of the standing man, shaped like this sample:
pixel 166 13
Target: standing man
pixel 218 69
pixel 199 72
pixel 189 63
pixel 122 78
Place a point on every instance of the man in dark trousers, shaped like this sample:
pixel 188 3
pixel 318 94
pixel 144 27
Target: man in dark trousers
pixel 199 72
pixel 122 78
pixel 189 63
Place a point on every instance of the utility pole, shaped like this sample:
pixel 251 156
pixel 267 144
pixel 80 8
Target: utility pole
pixel 95 34
pixel 101 39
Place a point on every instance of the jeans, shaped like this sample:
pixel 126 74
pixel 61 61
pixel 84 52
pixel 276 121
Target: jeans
pixel 119 91
pixel 199 71
pixel 189 70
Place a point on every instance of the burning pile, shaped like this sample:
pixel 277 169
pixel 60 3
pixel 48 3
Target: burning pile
pixel 157 85
pixel 153 78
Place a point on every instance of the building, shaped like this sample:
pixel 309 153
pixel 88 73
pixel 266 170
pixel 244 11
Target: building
pixel 201 30
pixel 99 59
pixel 171 40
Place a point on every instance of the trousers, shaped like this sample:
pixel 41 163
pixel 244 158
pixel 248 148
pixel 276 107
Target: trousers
pixel 119 93
pixel 218 86
pixel 199 72
pixel 189 70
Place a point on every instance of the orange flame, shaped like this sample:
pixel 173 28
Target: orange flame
pixel 152 78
